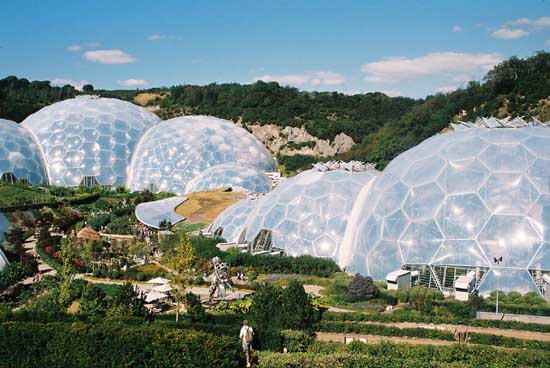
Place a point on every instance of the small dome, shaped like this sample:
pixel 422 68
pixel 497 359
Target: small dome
pixel 20 157
pixel 88 138
pixel 229 224
pixel 308 213
pixel 175 151
pixel 238 177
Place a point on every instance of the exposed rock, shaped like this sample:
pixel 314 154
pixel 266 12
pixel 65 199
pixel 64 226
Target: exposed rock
pixel 285 140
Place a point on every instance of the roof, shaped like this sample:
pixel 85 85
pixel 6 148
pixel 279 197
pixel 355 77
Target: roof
pixel 395 274
pixel 88 233
pixel 154 213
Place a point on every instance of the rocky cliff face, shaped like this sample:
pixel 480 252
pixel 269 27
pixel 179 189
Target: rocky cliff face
pixel 291 140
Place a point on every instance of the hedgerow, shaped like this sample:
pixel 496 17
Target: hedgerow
pixel 358 355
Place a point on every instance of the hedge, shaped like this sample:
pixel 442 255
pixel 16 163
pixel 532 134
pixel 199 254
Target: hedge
pixel 358 355
pixel 383 330
pixel 113 345
pixel 416 317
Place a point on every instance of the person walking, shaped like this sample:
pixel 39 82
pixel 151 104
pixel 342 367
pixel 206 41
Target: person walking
pixel 246 335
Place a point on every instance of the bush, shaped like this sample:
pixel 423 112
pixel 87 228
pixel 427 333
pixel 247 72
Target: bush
pixel 296 341
pixel 362 288
pixel 275 309
pixel 13 273
pixel 404 355
pixel 113 345
pixel 194 308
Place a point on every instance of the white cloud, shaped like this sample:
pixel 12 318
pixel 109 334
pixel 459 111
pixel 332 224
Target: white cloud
pixel 509 33
pixel 132 82
pixel 156 37
pixel 315 79
pixel 457 29
pixel 74 48
pixel 392 93
pixel 539 22
pixel 449 64
pixel 109 57
pixel 63 81
pixel 159 37
pixel 445 89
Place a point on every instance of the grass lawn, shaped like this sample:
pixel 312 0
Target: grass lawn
pixel 204 207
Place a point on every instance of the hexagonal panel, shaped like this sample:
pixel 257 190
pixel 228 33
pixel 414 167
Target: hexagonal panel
pixel 384 258
pixel 506 158
pixel 507 193
pixel 312 227
pixel 539 172
pixel 325 246
pixel 511 237
pixel 460 253
pixel 541 261
pixel 423 201
pixel 540 216
pixel 420 241
pixel 424 171
pixel 508 280
pixel 462 216
pixel 463 176
pixel 394 225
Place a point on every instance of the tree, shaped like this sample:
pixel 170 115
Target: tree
pixel 87 88
pixel 65 273
pixel 362 288
pixel 181 263
pixel 194 308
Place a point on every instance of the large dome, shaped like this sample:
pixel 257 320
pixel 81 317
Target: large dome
pixel 229 224
pixel 175 151
pixel 308 214
pixel 19 154
pixel 459 202
pixel 89 138
pixel 237 176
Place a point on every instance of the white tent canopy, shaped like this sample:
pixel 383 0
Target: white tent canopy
pixel 158 281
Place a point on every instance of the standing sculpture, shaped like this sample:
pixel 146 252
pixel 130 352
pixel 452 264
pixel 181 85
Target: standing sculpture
pixel 219 280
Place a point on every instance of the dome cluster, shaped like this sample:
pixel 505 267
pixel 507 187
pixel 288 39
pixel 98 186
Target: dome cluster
pixel 102 141
pixel 175 151
pixel 20 158
pixel 91 138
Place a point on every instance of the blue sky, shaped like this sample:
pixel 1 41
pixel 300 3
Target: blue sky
pixel 410 48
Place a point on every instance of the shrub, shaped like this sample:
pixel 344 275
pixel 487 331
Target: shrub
pixel 296 341
pixel 362 288
pixel 195 308
pixel 13 273
pixel 114 345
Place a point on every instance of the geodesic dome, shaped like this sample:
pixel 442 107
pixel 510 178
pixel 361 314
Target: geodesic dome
pixel 175 151
pixel 4 226
pixel 19 155
pixel 89 139
pixel 308 213
pixel 229 224
pixel 238 177
pixel 459 202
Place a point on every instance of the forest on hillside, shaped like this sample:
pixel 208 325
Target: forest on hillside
pixel 382 126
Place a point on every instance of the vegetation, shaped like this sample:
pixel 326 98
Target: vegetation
pixel 386 355
pixel 113 345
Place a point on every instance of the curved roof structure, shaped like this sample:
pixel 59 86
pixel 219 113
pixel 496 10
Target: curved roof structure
pixel 475 199
pixel 229 224
pixel 89 138
pixel 20 154
pixel 237 176
pixel 4 226
pixel 308 213
pixel 175 151
pixel 153 213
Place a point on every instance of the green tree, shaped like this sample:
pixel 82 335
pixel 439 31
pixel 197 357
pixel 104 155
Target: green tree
pixel 181 263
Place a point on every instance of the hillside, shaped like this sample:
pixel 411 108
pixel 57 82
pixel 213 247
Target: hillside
pixel 370 127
